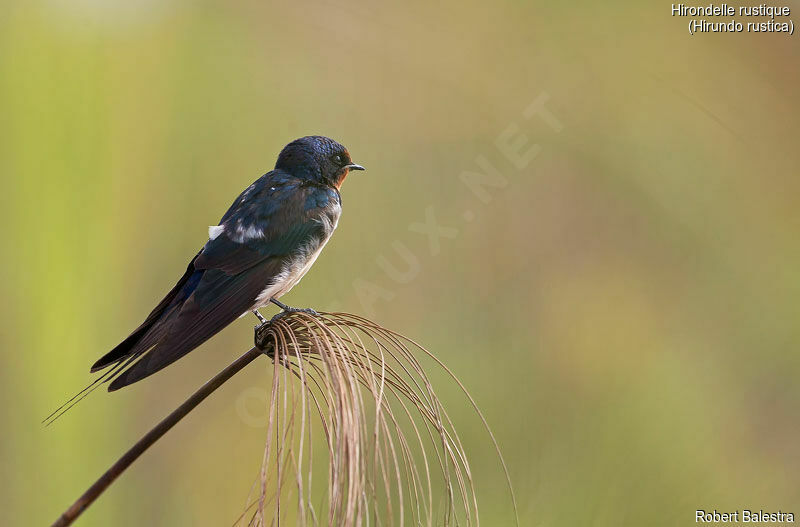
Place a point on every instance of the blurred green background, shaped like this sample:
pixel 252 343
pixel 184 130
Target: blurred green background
pixel 624 308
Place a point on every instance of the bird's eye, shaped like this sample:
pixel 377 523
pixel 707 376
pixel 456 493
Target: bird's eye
pixel 337 158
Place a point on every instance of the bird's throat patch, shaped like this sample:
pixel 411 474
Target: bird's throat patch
pixel 341 178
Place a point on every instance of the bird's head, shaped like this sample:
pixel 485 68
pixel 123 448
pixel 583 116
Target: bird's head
pixel 317 158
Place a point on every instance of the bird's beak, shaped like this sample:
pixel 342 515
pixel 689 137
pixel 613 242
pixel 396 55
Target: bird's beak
pixel 353 166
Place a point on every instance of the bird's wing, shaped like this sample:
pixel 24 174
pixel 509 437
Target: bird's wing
pixel 272 217
pixel 218 300
pixel 249 251
pixel 136 338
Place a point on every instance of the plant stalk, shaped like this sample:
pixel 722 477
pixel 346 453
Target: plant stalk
pixel 88 497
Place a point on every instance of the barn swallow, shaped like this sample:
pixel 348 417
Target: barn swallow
pixel 264 244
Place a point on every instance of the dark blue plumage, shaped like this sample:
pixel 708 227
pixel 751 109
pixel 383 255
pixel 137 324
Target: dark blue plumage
pixel 263 245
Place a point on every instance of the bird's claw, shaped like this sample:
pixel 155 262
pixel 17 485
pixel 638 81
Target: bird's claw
pixel 287 309
pixel 262 321
pixel 306 310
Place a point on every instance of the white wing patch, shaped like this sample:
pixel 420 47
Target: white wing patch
pixel 243 234
pixel 214 231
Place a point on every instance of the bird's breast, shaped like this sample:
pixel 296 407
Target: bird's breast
pixel 298 263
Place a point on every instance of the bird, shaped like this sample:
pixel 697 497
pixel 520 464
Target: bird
pixel 264 244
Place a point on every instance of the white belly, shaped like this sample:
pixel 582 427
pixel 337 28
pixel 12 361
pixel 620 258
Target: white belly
pixel 290 276
pixel 297 266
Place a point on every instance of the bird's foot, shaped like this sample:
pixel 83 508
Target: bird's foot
pixel 262 322
pixel 259 337
pixel 261 318
pixel 288 309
